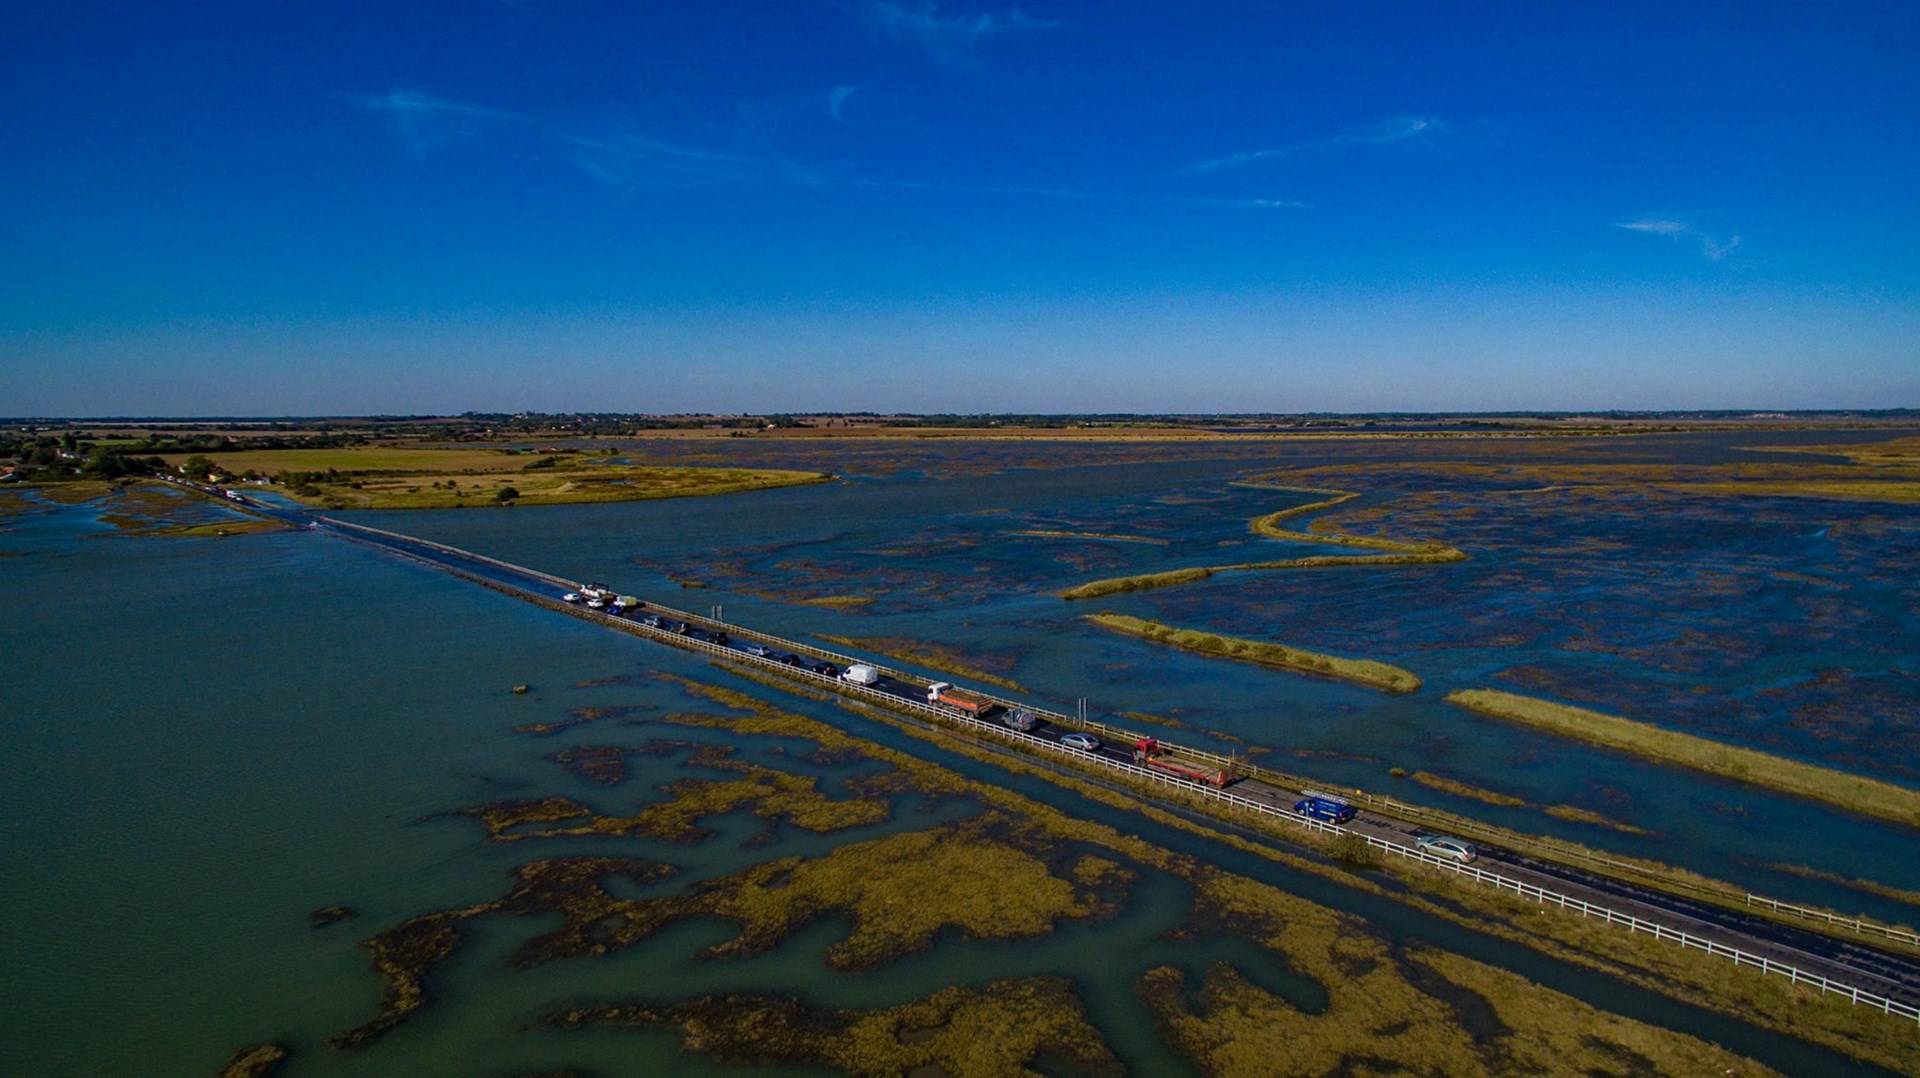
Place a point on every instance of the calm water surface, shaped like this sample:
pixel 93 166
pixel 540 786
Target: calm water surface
pixel 206 740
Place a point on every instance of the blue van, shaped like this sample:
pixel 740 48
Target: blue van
pixel 1325 807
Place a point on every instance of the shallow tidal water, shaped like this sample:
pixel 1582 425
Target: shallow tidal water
pixel 207 739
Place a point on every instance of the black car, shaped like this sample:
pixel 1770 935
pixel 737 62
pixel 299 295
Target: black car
pixel 719 637
pixel 791 659
pixel 825 668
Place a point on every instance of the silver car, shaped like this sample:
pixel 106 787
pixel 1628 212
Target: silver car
pixel 1443 846
pixel 1083 742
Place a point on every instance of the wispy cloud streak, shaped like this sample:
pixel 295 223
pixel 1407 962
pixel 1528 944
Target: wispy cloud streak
pixel 1071 194
pixel 1397 129
pixel 1712 248
pixel 837 102
pixel 947 38
pixel 423 121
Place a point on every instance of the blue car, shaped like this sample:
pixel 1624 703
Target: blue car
pixel 1083 742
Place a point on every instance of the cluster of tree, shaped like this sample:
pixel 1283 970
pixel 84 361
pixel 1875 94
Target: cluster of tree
pixel 68 457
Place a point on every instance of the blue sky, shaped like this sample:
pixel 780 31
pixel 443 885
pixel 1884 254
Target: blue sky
pixel 307 208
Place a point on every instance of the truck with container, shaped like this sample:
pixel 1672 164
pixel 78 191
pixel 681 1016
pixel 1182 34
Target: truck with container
pixel 947 696
pixel 1149 752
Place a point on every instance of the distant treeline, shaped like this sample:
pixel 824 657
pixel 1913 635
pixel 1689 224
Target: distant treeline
pixel 75 455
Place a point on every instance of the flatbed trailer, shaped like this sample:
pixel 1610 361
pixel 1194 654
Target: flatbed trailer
pixel 1149 752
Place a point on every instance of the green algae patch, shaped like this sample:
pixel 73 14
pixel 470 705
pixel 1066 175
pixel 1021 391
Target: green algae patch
pixel 404 955
pixel 900 892
pixel 1392 1009
pixel 260 1061
pixel 1000 1028
pixel 1870 887
pixel 331 915
pixel 1576 814
pixel 1461 789
pixel 572 887
pixel 1855 793
pixel 1375 675
pixel 835 602
pixel 1106 537
pixel 605 765
pixel 941 657
pixel 579 716
pixel 772 795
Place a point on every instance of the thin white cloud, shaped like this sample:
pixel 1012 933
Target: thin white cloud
pixel 1071 194
pixel 1396 129
pixel 1712 248
pixel 424 121
pixel 837 101
pixel 948 38
pixel 1654 227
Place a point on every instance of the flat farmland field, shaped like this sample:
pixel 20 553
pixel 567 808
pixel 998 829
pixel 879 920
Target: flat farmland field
pixel 378 477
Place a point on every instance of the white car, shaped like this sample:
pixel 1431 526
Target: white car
pixel 1459 849
pixel 1083 742
pixel 571 597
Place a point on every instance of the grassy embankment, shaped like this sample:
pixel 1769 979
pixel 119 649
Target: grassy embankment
pixel 1396 552
pixel 1376 675
pixel 1856 793
pixel 385 477
pixel 1571 813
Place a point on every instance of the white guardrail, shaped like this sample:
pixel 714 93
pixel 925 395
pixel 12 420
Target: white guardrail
pixel 1046 746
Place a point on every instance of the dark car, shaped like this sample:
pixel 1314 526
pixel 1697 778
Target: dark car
pixel 791 659
pixel 719 637
pixel 825 668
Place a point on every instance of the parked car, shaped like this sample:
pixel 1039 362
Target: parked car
pixel 1325 809
pixel 1083 742
pixel 1446 846
pixel 761 650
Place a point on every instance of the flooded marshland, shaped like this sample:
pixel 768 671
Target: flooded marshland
pixel 647 862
